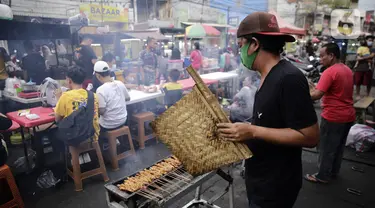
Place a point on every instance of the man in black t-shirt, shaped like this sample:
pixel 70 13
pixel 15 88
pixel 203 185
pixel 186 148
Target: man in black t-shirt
pixel 86 58
pixel 284 119
pixel 34 64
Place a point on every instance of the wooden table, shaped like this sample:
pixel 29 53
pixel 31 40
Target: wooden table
pixel 362 105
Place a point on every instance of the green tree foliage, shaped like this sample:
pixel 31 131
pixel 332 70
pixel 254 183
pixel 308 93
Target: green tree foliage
pixel 336 4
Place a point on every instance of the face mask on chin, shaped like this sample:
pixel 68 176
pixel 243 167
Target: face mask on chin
pixel 246 59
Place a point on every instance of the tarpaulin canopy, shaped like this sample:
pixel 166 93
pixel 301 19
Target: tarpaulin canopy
pixel 15 30
pixel 232 31
pixel 285 27
pixel 201 30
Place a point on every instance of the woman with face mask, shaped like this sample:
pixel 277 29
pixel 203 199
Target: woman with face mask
pixel 284 119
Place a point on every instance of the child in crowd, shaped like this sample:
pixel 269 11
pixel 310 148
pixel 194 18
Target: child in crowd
pixel 172 89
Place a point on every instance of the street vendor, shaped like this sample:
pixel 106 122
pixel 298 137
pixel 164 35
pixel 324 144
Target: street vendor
pixel 86 58
pixel 149 62
pixel 34 64
pixel 284 118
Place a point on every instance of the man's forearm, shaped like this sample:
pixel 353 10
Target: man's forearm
pixel 58 118
pixel 366 58
pixel 316 95
pixel 285 136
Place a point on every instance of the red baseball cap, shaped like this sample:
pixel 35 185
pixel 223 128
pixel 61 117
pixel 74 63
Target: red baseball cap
pixel 262 23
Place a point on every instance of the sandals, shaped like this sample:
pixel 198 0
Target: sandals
pixel 313 179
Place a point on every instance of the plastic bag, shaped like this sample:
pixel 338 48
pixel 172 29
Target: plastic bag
pixel 361 137
pixel 47 180
pixel 20 165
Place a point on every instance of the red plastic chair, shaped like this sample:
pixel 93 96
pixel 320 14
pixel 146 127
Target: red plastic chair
pixel 6 174
pixel 14 127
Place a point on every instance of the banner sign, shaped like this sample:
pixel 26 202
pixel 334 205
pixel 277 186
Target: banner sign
pixel 6 2
pixel 234 21
pixel 368 24
pixel 345 23
pixel 97 12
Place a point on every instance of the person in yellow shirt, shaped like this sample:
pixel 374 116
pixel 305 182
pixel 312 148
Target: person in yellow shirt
pixel 363 51
pixel 71 100
pixel 172 89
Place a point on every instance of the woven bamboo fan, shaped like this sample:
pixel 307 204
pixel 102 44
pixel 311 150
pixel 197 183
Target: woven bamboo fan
pixel 189 129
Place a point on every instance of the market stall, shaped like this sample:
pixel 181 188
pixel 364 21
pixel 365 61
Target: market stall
pixel 52 40
pixel 209 38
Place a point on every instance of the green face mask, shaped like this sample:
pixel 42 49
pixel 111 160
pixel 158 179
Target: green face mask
pixel 247 60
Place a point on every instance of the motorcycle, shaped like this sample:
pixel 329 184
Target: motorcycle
pixel 312 70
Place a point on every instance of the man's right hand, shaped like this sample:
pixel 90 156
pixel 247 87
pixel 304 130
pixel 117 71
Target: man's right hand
pixel 58 93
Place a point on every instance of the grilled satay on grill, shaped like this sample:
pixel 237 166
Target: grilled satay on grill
pixel 146 176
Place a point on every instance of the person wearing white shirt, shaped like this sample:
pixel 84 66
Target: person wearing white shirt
pixel 112 97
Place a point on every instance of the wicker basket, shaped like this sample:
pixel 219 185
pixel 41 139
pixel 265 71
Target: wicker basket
pixel 189 129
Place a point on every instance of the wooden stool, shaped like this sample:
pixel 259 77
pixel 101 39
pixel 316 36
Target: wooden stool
pixel 5 173
pixel 112 141
pixel 141 118
pixel 362 105
pixel 76 174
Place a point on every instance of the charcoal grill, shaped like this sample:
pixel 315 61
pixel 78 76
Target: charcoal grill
pixel 168 189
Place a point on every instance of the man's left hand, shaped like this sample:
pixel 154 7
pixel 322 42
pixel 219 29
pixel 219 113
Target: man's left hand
pixel 236 132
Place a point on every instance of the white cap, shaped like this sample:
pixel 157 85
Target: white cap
pixel 101 66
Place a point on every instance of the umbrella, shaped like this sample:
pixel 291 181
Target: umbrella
pixel 201 30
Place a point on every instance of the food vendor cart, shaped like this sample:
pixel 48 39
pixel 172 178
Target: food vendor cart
pixel 167 189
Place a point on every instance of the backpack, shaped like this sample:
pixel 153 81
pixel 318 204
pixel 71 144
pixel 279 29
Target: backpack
pixel 78 126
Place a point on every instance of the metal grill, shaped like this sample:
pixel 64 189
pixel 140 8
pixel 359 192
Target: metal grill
pixel 167 189
pixel 164 186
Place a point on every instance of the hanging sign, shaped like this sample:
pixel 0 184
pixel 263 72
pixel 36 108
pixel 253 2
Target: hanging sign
pixel 104 13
